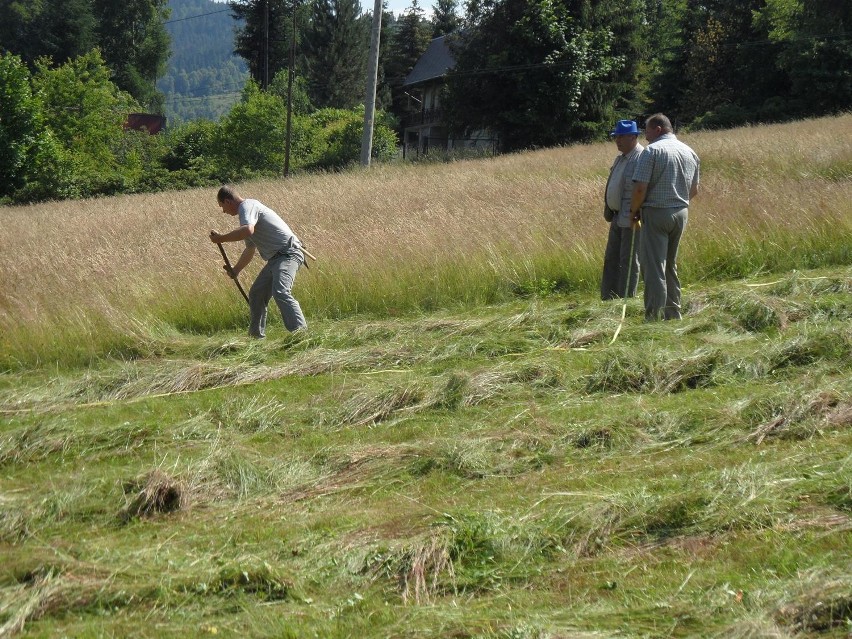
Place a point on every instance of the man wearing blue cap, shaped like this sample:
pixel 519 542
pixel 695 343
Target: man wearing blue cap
pixel 621 258
pixel 665 180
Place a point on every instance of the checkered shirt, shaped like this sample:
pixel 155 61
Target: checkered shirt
pixel 670 169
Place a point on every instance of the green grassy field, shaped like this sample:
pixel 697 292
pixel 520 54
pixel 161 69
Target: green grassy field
pixel 435 464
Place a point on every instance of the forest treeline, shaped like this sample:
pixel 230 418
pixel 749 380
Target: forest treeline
pixel 534 72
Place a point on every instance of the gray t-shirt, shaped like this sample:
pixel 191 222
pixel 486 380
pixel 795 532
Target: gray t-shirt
pixel 271 234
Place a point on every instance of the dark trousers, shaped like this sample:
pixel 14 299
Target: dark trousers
pixel 621 263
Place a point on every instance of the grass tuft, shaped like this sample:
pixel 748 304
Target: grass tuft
pixel 426 569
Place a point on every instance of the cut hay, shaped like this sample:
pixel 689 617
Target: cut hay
pixel 26 602
pixel 626 372
pixel 154 494
pixel 804 417
pixel 840 416
pixel 357 470
pixel 826 609
pixel 423 569
pixel 367 408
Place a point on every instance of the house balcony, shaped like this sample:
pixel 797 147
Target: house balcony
pixel 424 117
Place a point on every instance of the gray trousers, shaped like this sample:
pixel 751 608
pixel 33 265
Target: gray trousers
pixel 660 238
pixel 621 260
pixel 275 281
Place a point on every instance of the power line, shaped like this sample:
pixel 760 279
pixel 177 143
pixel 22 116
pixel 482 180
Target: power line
pixel 175 97
pixel 200 15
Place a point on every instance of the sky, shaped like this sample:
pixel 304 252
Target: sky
pixel 396 6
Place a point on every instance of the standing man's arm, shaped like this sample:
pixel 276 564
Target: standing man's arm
pixel 640 192
pixel 693 192
pixel 693 188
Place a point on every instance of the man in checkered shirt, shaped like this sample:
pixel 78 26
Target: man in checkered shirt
pixel 665 179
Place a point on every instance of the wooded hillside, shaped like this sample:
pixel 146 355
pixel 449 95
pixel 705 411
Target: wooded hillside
pixel 204 77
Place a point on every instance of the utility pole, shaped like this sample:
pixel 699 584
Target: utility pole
pixel 372 77
pixel 290 91
pixel 265 44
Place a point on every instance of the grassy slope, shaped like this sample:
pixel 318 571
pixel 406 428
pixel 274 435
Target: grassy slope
pixel 500 471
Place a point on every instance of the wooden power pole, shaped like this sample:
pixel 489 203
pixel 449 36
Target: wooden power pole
pixel 372 77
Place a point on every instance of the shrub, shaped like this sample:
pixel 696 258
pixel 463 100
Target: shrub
pixel 726 116
pixel 339 138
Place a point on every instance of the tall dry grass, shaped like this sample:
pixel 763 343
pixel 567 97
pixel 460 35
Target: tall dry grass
pixel 83 278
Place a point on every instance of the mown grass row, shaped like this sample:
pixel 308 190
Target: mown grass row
pixel 730 312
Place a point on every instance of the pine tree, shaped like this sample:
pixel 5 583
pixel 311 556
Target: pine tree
pixel 383 88
pixel 265 39
pixel 445 18
pixel 409 42
pixel 335 53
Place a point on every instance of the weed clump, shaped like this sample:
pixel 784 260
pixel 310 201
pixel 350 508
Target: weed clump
pixel 252 577
pixel 460 554
pixel 595 438
pixel 674 515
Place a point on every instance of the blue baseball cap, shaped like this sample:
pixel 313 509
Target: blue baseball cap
pixel 625 127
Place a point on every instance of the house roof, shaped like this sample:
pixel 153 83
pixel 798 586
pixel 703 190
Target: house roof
pixel 150 122
pixel 433 64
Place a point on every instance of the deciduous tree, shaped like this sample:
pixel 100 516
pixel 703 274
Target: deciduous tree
pixel 522 68
pixel 135 45
pixel 815 40
pixel 86 111
pixel 60 29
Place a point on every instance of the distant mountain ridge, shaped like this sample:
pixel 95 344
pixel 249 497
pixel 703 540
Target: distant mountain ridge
pixel 204 78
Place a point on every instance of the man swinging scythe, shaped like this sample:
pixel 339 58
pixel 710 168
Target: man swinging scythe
pixel 264 232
